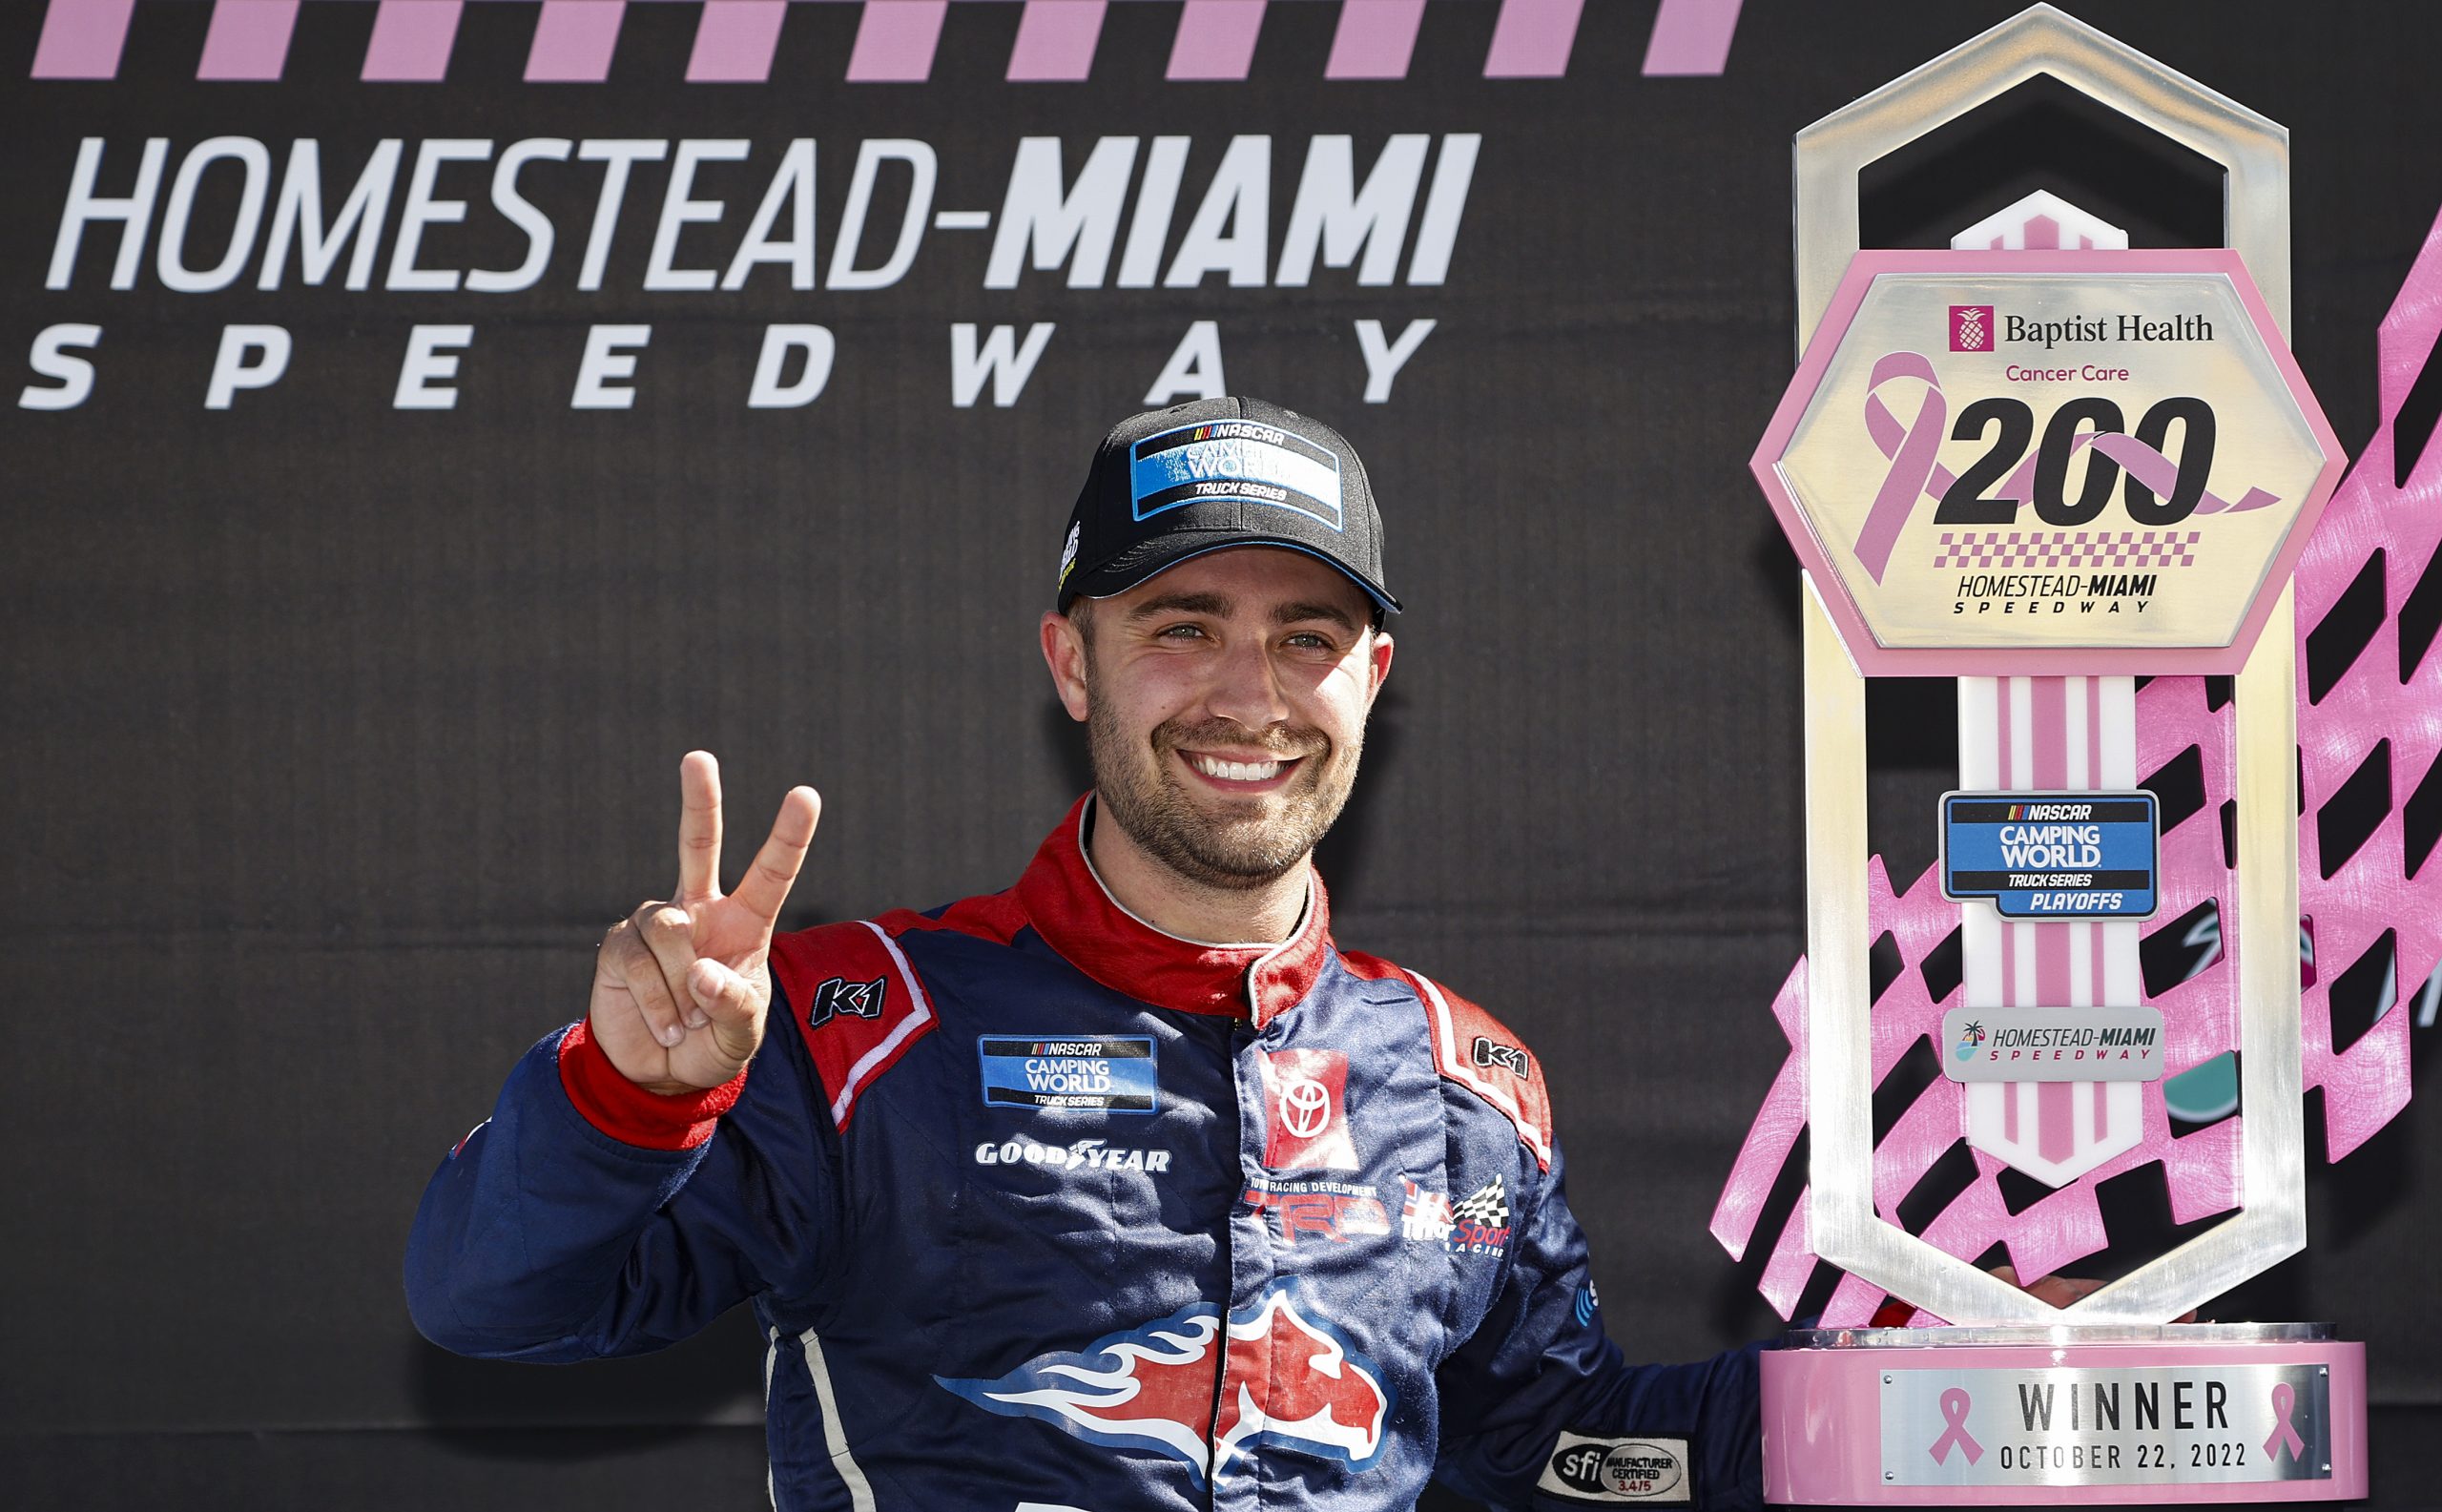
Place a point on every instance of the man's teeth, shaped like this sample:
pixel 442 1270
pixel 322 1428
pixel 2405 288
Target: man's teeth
pixel 1237 771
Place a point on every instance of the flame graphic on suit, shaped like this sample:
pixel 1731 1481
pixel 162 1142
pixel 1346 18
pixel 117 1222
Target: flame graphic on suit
pixel 1288 1380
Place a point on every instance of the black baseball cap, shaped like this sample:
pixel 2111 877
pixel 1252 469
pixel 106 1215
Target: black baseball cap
pixel 1176 482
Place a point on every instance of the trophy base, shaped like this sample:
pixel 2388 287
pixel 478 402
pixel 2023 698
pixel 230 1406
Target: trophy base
pixel 2062 1415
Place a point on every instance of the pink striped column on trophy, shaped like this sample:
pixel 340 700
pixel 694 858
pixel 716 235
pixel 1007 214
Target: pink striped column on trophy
pixel 2031 734
pixel 2051 735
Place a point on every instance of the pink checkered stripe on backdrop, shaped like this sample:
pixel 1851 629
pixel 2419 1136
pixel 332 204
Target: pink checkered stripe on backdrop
pixel 736 40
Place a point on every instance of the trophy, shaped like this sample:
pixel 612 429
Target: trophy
pixel 2078 479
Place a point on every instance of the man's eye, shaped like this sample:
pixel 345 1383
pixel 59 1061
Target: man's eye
pixel 1310 640
pixel 1182 632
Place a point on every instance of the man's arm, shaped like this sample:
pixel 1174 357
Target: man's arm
pixel 575 1223
pixel 1539 1405
pixel 634 1180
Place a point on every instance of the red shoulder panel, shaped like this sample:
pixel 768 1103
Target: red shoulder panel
pixel 1476 1050
pixel 991 915
pixel 856 999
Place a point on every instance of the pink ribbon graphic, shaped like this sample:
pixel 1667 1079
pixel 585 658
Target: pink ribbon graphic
pixel 1954 1404
pixel 2284 1402
pixel 1914 473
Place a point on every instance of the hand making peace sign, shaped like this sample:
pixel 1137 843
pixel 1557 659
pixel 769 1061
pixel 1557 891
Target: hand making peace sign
pixel 680 987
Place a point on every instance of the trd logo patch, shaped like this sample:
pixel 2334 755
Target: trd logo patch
pixel 1335 1215
pixel 1508 1057
pixel 1609 1471
pixel 861 1000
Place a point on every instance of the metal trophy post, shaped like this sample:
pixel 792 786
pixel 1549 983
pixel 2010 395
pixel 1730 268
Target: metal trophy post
pixel 2047 466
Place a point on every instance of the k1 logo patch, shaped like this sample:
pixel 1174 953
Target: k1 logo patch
pixel 1487 1051
pixel 862 1000
pixel 1305 1096
pixel 1609 1471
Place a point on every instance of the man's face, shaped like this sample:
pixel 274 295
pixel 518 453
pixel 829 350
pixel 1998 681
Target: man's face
pixel 1225 701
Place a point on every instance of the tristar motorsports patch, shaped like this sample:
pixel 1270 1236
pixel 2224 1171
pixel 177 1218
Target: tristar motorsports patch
pixel 1095 1074
pixel 2052 855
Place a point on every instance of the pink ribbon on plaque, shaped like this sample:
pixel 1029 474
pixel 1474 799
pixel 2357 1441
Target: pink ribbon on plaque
pixel 1915 473
pixel 2284 1402
pixel 1955 1405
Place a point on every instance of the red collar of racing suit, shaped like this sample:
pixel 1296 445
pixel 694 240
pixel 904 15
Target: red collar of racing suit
pixel 1076 915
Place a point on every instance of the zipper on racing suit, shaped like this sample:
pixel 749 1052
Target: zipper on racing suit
pixel 1241 1036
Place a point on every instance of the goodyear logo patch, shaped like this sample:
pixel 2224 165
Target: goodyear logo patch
pixel 1236 460
pixel 1097 1074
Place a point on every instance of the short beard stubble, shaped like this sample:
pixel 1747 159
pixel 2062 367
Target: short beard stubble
pixel 1156 810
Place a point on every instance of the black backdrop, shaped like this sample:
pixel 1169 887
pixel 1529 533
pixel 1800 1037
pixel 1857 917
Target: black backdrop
pixel 336 732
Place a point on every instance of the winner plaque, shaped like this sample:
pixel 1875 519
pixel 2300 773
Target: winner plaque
pixel 2049 467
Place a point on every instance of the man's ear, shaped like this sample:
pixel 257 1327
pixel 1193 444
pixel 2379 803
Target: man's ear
pixel 1378 662
pixel 1064 652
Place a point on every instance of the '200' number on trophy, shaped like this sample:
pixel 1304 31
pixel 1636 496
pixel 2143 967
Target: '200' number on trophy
pixel 1964 503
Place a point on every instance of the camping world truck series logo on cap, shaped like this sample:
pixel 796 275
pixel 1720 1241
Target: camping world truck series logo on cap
pixel 1288 1380
pixel 1236 460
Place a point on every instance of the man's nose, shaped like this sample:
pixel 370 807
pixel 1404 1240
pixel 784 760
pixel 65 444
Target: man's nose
pixel 1246 688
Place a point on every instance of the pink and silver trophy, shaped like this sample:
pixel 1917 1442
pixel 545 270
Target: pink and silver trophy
pixel 2079 479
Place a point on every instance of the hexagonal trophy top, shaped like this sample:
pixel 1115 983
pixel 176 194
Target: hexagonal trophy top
pixel 2044 463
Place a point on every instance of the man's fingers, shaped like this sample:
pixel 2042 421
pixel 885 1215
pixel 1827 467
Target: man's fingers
pixel 721 993
pixel 631 963
pixel 2058 1291
pixel 766 884
pixel 669 935
pixel 2063 1290
pixel 699 827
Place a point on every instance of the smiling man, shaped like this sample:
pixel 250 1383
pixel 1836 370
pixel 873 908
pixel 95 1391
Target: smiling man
pixel 1127 1187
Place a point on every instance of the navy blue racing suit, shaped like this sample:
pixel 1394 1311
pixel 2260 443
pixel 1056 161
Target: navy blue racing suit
pixel 1040 1206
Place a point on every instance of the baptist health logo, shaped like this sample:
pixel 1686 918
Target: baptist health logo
pixel 1971 327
